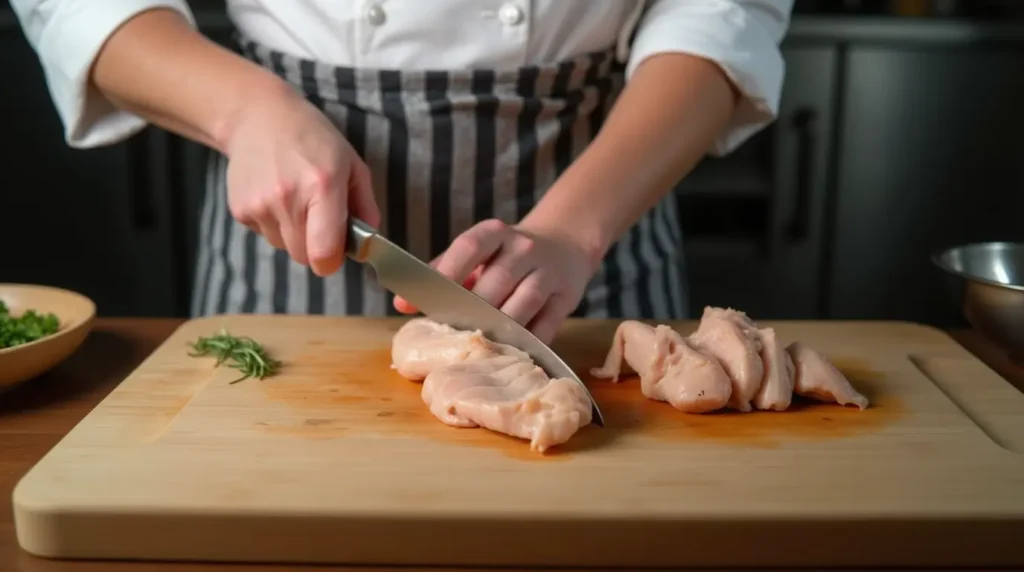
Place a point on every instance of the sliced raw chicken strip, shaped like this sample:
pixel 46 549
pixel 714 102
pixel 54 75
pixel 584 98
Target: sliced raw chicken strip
pixel 815 377
pixel 470 381
pixel 727 362
pixel 670 369
pixel 776 392
pixel 732 338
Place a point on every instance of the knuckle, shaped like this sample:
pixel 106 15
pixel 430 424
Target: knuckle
pixel 492 225
pixel 322 178
pixel 248 211
pixel 479 236
pixel 533 294
pixel 469 242
pixel 242 213
pixel 500 274
pixel 526 246
pixel 260 208
pixel 561 286
pixel 282 193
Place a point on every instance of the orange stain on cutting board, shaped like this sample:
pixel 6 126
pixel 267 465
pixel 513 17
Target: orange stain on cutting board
pixel 626 409
pixel 370 397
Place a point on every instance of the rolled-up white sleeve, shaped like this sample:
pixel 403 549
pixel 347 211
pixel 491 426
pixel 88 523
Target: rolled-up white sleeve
pixel 741 36
pixel 67 35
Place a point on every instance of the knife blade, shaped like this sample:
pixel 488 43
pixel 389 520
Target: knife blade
pixel 448 302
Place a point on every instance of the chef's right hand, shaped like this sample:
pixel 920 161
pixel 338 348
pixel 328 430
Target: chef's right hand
pixel 293 178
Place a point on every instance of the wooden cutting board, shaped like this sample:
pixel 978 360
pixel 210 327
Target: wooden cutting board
pixel 336 459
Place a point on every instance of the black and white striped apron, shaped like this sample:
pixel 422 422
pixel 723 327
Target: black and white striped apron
pixel 447 149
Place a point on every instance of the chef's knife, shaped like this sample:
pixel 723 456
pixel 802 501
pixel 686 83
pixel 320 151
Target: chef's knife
pixel 448 302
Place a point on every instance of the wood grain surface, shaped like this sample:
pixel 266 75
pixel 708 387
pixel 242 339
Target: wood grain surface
pixel 930 458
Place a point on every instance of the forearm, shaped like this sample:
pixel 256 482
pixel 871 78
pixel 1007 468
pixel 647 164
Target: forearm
pixel 663 124
pixel 158 67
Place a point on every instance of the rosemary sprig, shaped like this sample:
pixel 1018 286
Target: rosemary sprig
pixel 243 353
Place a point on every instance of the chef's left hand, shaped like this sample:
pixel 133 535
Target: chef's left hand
pixel 537 276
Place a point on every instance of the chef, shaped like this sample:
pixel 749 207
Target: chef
pixel 528 148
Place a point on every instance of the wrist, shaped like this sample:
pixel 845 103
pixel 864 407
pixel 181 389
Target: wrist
pixel 251 95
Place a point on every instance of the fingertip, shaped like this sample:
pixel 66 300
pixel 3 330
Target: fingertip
pixel 325 265
pixel 362 199
pixel 369 216
pixel 324 247
pixel 372 218
pixel 296 250
pixel 544 329
pixel 324 239
pixel 549 319
pixel 403 306
pixel 473 278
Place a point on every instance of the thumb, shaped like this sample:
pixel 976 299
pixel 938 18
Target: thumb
pixel 361 199
pixel 327 214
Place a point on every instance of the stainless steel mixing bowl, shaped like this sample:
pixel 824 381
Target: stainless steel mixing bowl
pixel 987 282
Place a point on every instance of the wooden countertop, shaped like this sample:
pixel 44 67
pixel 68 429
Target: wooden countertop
pixel 35 416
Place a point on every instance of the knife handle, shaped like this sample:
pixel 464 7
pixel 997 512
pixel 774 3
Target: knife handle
pixel 357 243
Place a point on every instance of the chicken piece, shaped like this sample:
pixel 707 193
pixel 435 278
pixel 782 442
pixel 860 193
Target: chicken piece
pixel 815 377
pixel 508 395
pixel 445 386
pixel 634 343
pixel 422 345
pixel 470 381
pixel 670 369
pixel 731 337
pixel 776 392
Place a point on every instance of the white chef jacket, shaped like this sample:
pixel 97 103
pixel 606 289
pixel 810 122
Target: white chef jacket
pixel 741 36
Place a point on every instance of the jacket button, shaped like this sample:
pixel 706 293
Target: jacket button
pixel 375 15
pixel 510 14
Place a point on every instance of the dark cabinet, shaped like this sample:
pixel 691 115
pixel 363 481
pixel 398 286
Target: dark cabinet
pixel 930 156
pixel 753 220
pixel 97 221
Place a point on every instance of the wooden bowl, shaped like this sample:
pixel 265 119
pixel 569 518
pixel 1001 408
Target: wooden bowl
pixel 75 312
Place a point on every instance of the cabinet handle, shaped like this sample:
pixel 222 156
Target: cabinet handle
pixel 140 183
pixel 803 122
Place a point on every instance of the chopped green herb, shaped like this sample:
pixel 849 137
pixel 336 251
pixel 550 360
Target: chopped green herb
pixel 243 353
pixel 29 327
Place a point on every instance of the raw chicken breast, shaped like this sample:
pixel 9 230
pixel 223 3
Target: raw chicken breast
pixel 815 377
pixel 422 345
pixel 670 369
pixel 732 338
pixel 776 392
pixel 510 396
pixel 470 381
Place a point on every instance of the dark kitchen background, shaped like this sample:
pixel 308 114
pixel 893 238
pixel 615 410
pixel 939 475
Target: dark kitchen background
pixel 900 133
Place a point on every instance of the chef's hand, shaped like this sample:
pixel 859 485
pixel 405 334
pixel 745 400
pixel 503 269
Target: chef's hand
pixel 293 178
pixel 535 276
